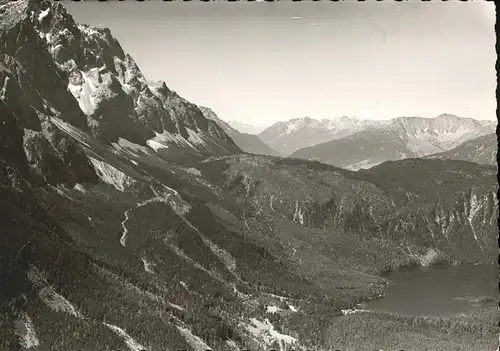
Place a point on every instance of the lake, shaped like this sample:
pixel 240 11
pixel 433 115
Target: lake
pixel 444 291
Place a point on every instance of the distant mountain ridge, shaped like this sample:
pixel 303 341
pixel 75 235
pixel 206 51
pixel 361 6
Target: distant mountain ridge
pixel 481 150
pixel 247 142
pixel 247 128
pixel 298 133
pixel 399 138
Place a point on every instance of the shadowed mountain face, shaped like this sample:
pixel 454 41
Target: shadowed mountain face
pixel 130 220
pixel 481 150
pixel 401 138
pixel 247 142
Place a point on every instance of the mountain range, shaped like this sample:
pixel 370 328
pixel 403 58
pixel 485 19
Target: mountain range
pixel 246 128
pixel 132 219
pixel 298 133
pixel 399 138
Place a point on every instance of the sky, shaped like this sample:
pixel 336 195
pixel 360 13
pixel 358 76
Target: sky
pixel 262 62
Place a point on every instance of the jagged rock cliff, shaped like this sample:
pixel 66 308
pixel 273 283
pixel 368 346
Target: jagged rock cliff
pixel 53 67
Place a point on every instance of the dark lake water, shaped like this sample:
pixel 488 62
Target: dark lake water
pixel 444 291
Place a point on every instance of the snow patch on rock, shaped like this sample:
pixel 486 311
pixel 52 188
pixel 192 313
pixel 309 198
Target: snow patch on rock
pixel 84 94
pixel 43 14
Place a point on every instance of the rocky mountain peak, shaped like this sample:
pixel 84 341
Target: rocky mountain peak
pixel 298 133
pixel 54 69
pixel 111 91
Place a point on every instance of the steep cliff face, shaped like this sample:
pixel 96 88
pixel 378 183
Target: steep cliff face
pixel 30 140
pixel 82 75
pixel 31 81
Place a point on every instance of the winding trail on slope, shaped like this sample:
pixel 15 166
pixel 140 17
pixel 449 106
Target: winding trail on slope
pixel 124 228
pixel 157 198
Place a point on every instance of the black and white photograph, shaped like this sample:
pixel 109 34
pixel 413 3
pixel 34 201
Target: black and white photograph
pixel 192 175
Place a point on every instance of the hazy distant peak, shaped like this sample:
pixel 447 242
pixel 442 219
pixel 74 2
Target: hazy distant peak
pixel 297 133
pixel 246 127
pixel 406 137
pixel 247 142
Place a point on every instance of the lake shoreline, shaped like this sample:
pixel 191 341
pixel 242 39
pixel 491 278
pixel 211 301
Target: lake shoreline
pixel 432 277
